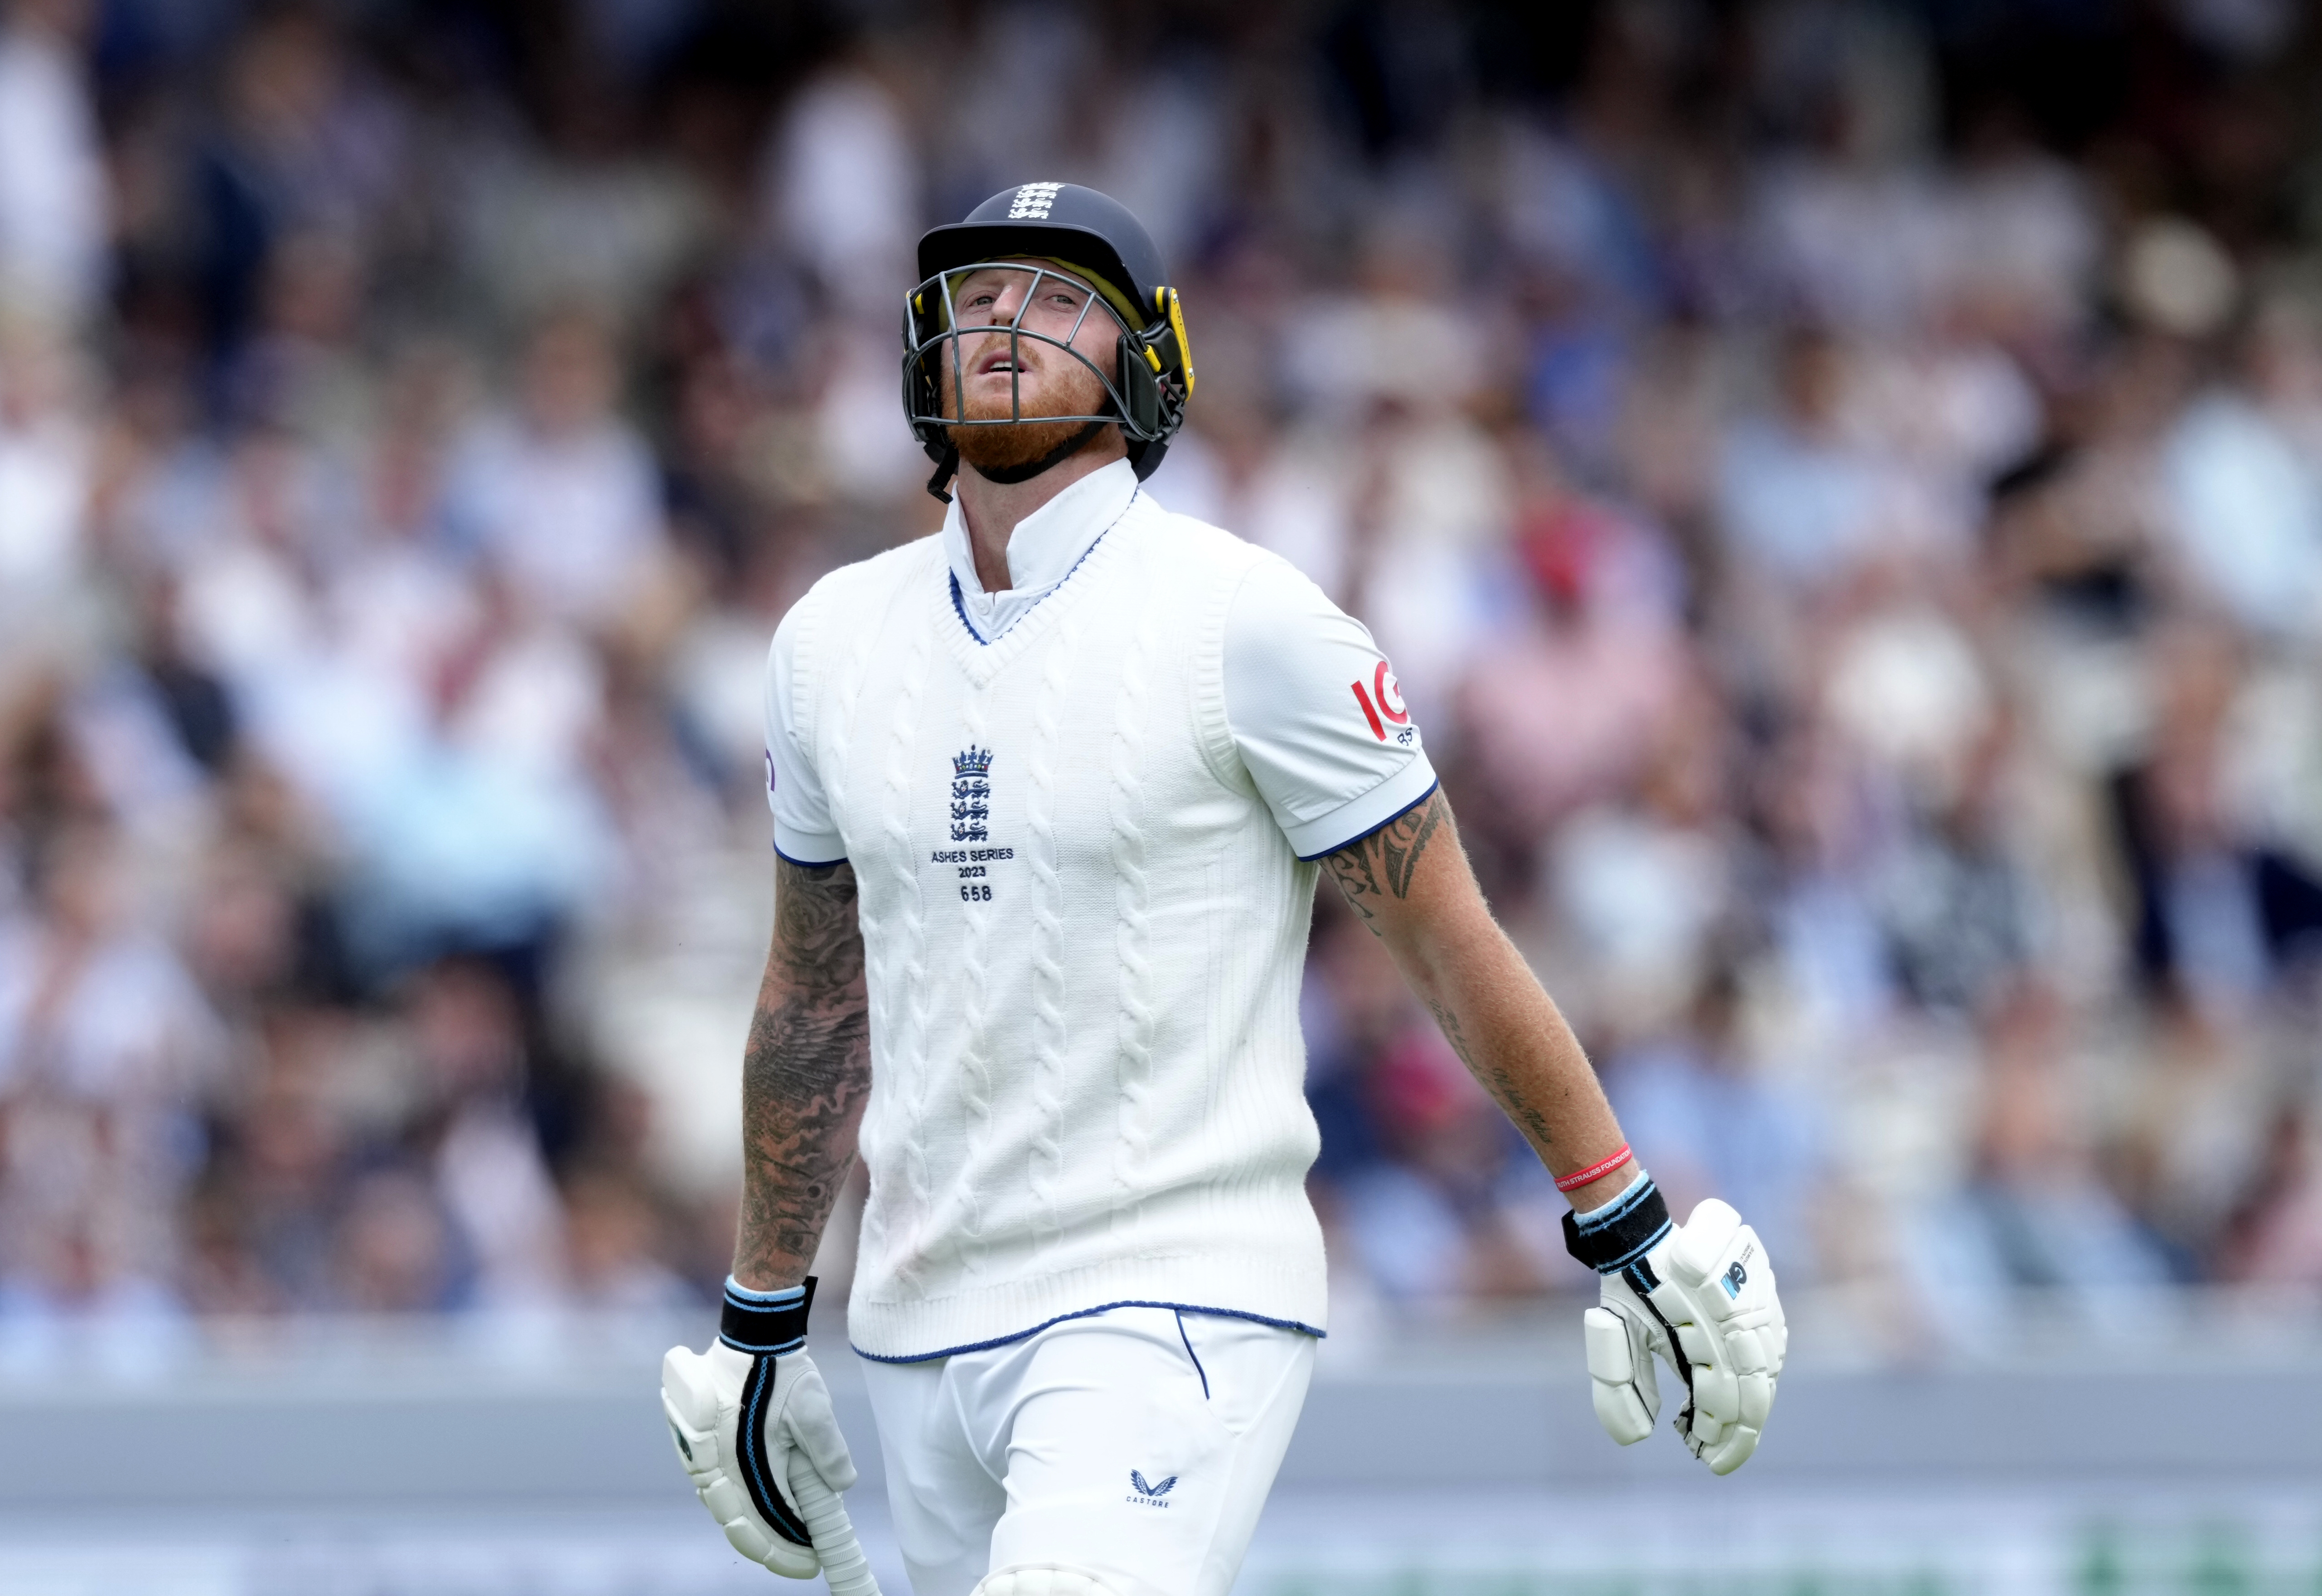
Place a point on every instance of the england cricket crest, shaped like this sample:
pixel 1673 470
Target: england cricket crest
pixel 971 853
pixel 971 794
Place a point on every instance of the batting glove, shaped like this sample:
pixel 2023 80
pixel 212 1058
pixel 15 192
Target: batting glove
pixel 753 1427
pixel 1701 1295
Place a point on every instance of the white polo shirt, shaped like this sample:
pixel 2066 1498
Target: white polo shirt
pixel 1315 709
pixel 1081 816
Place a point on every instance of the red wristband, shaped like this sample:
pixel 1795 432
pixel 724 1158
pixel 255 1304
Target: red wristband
pixel 1595 1172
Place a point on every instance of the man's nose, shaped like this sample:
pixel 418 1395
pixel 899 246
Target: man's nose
pixel 1010 302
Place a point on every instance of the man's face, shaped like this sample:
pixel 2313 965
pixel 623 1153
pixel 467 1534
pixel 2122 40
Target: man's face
pixel 998 377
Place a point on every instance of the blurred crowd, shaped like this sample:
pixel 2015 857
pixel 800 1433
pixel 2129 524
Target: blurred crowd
pixel 1841 484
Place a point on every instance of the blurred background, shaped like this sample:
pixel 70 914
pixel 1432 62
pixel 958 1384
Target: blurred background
pixel 1841 487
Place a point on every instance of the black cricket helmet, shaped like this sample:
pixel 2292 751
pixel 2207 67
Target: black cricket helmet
pixel 1051 229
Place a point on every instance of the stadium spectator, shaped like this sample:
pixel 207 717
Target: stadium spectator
pixel 1847 515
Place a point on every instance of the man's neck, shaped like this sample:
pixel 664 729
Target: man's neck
pixel 992 510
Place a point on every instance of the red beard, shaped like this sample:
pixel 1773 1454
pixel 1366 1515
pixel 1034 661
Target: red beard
pixel 1020 444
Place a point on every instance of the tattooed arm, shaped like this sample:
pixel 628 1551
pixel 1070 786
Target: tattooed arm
pixel 1410 883
pixel 806 1074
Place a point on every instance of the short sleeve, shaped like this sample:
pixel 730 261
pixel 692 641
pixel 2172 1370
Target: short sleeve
pixel 1317 714
pixel 804 831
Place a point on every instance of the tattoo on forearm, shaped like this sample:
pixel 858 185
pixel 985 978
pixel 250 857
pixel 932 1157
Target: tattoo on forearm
pixel 806 1072
pixel 1383 866
pixel 1385 862
pixel 1494 1075
pixel 1454 1032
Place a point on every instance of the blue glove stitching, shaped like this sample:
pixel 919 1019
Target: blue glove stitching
pixel 756 1466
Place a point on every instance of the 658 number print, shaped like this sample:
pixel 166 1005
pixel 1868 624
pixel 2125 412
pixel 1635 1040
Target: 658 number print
pixel 975 892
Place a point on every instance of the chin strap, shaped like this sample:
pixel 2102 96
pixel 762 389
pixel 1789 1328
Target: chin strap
pixel 1033 468
pixel 940 483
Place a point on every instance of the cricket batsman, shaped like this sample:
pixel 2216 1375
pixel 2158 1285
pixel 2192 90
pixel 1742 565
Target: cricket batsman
pixel 1051 789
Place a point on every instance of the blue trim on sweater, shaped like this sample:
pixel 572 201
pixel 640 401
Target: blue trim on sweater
pixel 959 608
pixel 808 864
pixel 1432 788
pixel 1223 1313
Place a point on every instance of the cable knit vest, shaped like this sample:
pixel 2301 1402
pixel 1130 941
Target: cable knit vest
pixel 1085 936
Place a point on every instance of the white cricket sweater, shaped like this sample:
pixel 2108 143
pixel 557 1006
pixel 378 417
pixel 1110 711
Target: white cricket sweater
pixel 1084 924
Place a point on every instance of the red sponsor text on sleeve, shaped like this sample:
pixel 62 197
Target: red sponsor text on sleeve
pixel 1389 703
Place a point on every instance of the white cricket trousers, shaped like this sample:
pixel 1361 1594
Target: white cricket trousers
pixel 1135 1446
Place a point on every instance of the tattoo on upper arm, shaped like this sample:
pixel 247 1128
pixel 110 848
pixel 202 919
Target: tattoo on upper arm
pixel 815 933
pixel 805 1071
pixel 1384 862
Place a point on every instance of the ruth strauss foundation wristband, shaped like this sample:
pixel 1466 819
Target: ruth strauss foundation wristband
pixel 1595 1172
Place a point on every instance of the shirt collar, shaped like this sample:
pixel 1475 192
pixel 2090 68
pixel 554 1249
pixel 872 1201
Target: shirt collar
pixel 1046 544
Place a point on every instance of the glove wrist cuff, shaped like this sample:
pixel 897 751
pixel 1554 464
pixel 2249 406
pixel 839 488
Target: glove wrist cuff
pixel 1611 1238
pixel 765 1324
